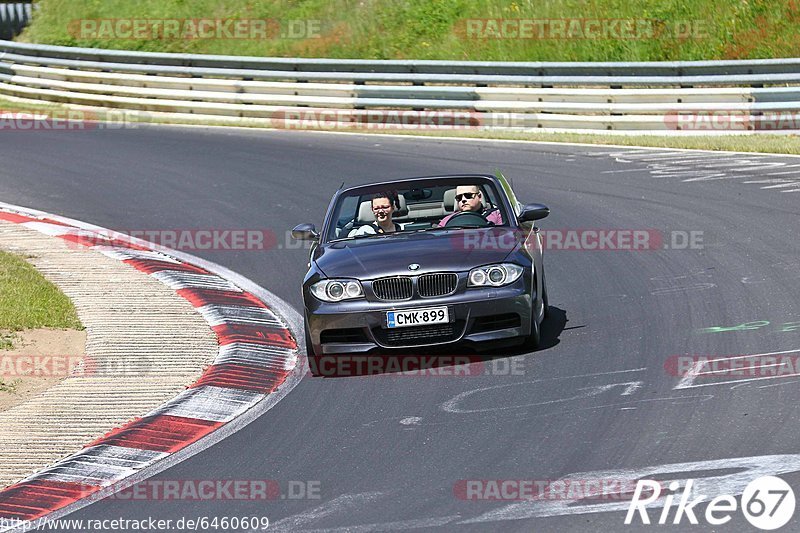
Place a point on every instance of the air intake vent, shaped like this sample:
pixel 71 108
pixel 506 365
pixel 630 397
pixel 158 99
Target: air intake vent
pixel 419 335
pixel 430 285
pixel 392 289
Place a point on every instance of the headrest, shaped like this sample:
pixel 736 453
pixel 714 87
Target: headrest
pixel 365 215
pixel 449 200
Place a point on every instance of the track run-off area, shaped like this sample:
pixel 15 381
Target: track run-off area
pixel 626 385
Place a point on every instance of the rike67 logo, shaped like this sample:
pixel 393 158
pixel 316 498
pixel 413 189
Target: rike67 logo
pixel 767 503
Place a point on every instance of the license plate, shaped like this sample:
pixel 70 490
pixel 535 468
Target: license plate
pixel 417 317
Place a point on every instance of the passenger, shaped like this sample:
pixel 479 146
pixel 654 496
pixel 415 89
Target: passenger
pixel 469 198
pixel 384 204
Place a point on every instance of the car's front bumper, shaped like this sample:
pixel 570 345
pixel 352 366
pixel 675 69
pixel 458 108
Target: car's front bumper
pixel 476 316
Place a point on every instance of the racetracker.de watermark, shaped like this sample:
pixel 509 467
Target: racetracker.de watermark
pixel 192 29
pixel 602 239
pixel 45 366
pixel 412 365
pixel 711 367
pixel 579 29
pixel 380 119
pixel 69 120
pixel 218 489
pixel 15 366
pixel 732 120
pixel 543 489
pixel 215 239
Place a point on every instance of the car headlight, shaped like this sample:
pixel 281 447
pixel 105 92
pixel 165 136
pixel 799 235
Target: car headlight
pixel 494 275
pixel 336 290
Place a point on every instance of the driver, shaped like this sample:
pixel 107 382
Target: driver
pixel 468 198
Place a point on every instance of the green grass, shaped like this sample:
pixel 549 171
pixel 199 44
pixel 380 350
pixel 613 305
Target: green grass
pixel 6 340
pixel 437 29
pixel 28 300
pixel 10 387
pixel 29 106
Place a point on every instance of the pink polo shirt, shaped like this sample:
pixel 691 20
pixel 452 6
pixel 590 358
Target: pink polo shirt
pixel 494 217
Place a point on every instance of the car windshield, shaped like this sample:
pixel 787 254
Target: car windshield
pixel 383 211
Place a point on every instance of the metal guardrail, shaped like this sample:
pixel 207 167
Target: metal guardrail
pixel 665 68
pixel 592 96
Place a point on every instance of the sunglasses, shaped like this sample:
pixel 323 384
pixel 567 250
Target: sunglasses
pixel 467 195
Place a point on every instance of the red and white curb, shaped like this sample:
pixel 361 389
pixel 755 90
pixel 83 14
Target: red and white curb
pixel 257 364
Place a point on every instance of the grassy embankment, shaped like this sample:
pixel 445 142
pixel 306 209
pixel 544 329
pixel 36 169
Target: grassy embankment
pixel 436 29
pixel 29 301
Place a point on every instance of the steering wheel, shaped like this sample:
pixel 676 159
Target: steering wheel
pixel 467 218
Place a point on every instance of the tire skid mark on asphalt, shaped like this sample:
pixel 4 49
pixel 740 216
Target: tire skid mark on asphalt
pixel 686 288
pixel 678 285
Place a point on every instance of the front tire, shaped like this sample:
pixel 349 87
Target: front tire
pixel 309 347
pixel 311 355
pixel 532 341
pixel 545 302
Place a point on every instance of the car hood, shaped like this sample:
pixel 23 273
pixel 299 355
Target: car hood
pixel 434 251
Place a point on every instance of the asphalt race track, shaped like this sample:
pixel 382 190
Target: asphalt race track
pixel 595 402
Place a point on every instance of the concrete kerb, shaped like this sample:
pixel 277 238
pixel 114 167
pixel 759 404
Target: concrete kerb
pixel 250 392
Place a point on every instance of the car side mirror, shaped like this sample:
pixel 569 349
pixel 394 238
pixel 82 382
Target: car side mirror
pixel 532 212
pixel 305 232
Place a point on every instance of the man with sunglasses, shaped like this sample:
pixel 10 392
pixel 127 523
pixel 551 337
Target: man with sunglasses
pixel 469 198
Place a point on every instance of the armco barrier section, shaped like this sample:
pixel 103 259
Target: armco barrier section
pixel 757 95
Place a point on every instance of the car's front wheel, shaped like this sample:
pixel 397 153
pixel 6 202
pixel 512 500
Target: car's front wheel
pixel 313 358
pixel 309 347
pixel 532 342
pixel 545 302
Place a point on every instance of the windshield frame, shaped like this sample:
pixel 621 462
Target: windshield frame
pixel 496 187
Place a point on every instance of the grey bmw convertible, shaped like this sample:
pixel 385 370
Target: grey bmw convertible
pixel 423 262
